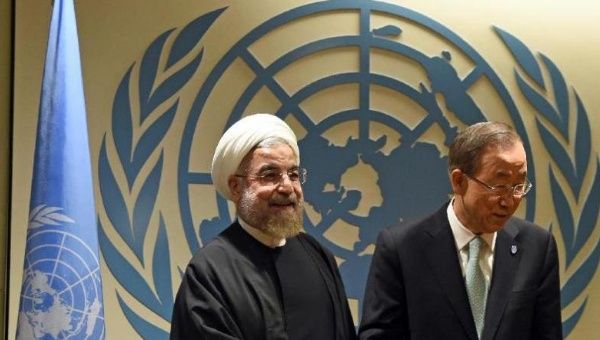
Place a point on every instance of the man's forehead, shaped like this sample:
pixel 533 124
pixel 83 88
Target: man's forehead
pixel 273 154
pixel 504 161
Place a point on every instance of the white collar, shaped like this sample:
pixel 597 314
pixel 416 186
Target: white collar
pixel 462 235
pixel 261 236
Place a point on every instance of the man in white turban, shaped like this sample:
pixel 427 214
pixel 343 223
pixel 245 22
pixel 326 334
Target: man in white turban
pixel 261 278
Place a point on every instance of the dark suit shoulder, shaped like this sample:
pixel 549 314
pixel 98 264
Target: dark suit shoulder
pixel 417 228
pixel 310 240
pixel 316 247
pixel 523 230
pixel 231 246
pixel 219 246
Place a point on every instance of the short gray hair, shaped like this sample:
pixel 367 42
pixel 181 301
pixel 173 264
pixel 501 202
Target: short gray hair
pixel 468 146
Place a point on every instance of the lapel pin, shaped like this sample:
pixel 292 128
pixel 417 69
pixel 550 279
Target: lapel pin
pixel 513 249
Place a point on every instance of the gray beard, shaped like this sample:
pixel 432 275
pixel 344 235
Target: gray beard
pixel 284 225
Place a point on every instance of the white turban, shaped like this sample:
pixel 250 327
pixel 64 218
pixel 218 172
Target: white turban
pixel 242 137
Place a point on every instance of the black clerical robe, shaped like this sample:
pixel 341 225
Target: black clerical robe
pixel 230 291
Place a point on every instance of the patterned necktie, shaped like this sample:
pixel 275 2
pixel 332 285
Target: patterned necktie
pixel 476 287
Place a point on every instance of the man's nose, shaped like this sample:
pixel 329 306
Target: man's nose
pixel 285 184
pixel 508 200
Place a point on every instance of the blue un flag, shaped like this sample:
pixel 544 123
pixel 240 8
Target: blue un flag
pixel 61 296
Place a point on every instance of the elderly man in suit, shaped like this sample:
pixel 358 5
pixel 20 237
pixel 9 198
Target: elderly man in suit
pixel 470 270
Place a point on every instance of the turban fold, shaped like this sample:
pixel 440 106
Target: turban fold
pixel 242 137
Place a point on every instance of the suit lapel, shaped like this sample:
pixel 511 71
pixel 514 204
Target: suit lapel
pixel 448 273
pixel 506 258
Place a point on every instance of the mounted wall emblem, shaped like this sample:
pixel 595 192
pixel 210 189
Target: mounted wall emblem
pixel 375 101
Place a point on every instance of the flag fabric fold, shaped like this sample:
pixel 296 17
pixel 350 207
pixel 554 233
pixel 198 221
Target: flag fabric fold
pixel 61 295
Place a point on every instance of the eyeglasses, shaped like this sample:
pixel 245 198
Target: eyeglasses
pixel 518 190
pixel 275 177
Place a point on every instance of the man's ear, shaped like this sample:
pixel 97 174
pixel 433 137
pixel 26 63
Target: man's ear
pixel 235 188
pixel 458 180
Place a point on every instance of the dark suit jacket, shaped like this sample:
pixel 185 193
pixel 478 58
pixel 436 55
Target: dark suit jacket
pixel 416 290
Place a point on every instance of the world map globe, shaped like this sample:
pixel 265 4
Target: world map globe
pixel 61 292
pixel 374 126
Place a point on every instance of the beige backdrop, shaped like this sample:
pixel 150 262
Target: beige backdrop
pixel 114 34
pixel 5 139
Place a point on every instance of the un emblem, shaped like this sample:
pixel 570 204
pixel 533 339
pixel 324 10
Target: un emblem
pixel 375 101
pixel 370 163
pixel 61 282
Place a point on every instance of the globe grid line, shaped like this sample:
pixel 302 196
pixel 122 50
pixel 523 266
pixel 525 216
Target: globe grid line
pixel 86 313
pixel 58 259
pixel 73 236
pixel 81 280
pixel 364 61
pixel 68 286
pixel 263 77
pixel 58 256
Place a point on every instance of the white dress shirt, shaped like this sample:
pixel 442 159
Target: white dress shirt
pixel 462 237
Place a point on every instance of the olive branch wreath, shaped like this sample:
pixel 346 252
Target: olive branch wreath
pixel 151 120
pixel 554 111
